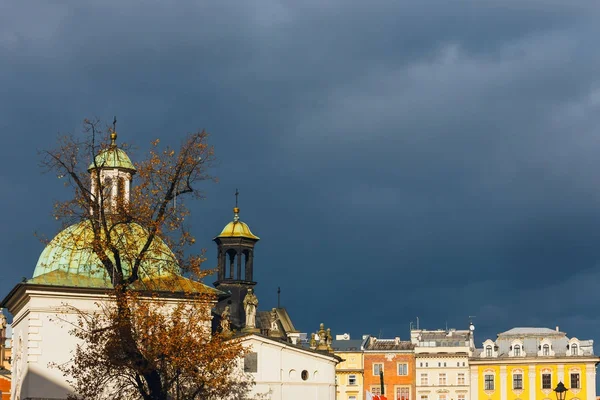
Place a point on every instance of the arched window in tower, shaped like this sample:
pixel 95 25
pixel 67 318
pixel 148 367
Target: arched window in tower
pixel 121 194
pixel 247 265
pixel 106 191
pixel 517 350
pixel 488 351
pixel 574 349
pixel 231 253
pixel 546 350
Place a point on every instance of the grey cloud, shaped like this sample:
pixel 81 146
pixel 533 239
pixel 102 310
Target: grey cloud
pixel 396 158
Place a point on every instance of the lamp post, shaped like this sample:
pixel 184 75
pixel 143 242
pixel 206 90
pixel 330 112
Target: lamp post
pixel 561 391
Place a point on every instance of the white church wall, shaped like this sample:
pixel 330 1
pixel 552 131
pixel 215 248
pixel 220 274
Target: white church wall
pixel 280 367
pixel 42 326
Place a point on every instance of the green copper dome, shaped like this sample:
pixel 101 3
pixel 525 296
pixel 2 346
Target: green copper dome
pixel 113 157
pixel 69 260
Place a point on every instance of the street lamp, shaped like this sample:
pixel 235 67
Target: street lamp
pixel 561 391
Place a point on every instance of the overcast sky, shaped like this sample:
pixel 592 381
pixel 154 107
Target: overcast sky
pixel 398 159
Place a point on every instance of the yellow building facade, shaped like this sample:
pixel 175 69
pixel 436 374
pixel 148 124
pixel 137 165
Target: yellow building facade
pixel 349 372
pixel 528 363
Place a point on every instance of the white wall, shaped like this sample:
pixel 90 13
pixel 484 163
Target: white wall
pixel 41 336
pixel 279 371
pixel 41 333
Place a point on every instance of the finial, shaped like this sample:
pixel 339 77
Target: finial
pixel 113 133
pixel 236 210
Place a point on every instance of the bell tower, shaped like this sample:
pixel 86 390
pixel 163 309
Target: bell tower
pixel 235 265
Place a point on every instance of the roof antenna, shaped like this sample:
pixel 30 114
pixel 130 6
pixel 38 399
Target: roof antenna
pixel 278 297
pixel 237 193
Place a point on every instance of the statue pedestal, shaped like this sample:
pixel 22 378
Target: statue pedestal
pixel 250 330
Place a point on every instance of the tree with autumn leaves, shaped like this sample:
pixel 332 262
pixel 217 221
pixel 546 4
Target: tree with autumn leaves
pixel 152 338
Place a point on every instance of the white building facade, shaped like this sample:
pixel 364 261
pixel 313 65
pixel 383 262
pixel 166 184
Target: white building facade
pixel 442 364
pixel 283 371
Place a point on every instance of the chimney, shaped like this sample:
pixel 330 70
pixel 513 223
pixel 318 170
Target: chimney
pixel 396 341
pixel 557 328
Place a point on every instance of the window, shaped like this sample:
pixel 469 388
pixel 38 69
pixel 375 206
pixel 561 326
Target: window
pixel 439 364
pixel 402 369
pixel 546 350
pixel 574 349
pixel 426 364
pixel 442 379
pixel 421 365
pixel 251 362
pixel 351 380
pixel 575 381
pixel 304 375
pixel 444 364
pixel 489 382
pixel 517 350
pixel 461 379
pixel 402 393
pixel 377 369
pixel 518 381
pixel 121 194
pixel 424 397
pixel 424 380
pixel 546 381
pixel 442 397
pixel 488 351
pixel 461 397
pixel 376 390
pixel 463 363
pixel 351 397
pixel 107 189
pixel 458 364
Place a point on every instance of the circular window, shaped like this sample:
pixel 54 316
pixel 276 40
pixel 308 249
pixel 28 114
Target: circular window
pixel 304 375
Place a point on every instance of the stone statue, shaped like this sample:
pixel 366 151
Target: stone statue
pixel 225 324
pixel 274 319
pixel 313 341
pixel 250 305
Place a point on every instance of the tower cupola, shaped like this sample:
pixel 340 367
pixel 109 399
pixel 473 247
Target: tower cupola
pixel 115 170
pixel 235 264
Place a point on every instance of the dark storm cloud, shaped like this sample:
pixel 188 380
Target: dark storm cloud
pixel 398 159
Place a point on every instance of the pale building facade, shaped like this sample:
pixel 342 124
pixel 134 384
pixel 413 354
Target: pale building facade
pixel 350 371
pixel 442 364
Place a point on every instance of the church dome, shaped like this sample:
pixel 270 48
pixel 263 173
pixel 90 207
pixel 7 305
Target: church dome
pixel 237 228
pixel 113 157
pixel 69 257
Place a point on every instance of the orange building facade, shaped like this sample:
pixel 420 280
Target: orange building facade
pixel 4 387
pixel 397 361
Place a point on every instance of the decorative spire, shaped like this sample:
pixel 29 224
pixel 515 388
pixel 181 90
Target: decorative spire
pixel 236 210
pixel 113 133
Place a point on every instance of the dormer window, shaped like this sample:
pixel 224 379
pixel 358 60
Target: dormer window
pixel 545 348
pixel 574 349
pixel 490 349
pixel 516 349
